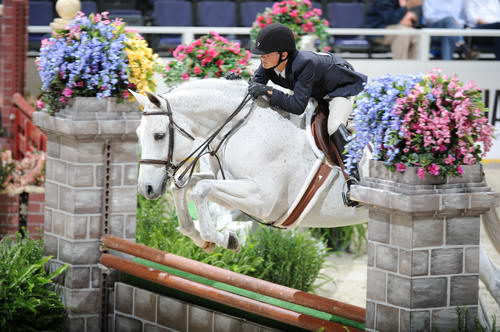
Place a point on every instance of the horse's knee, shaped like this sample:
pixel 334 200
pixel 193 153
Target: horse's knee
pixel 200 191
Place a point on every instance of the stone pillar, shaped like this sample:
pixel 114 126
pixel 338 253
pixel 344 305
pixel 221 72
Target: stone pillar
pixel 423 247
pixel 90 190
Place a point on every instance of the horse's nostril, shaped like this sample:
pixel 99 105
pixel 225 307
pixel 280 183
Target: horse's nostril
pixel 149 189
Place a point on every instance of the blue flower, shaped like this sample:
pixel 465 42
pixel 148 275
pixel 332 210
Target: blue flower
pixel 375 121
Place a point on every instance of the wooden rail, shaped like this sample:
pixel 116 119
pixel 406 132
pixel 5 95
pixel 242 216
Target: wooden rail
pixel 26 137
pixel 316 302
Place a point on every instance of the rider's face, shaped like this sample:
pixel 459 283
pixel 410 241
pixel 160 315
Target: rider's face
pixel 270 60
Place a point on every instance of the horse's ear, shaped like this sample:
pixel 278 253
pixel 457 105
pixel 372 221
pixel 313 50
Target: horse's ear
pixel 154 99
pixel 140 98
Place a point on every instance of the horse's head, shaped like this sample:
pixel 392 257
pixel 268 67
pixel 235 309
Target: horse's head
pixel 163 145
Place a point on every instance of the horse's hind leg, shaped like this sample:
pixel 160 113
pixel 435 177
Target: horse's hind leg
pixel 233 194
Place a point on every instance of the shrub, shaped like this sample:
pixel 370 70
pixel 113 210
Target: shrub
pixel 208 56
pixel 299 16
pixel 348 238
pixel 27 302
pixel 289 258
pixel 16 175
pixel 94 57
pixel 433 122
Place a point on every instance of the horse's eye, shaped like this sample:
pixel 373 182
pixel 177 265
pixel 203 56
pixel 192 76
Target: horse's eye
pixel 159 136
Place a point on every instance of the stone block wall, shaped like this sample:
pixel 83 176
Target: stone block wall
pixel 90 190
pixel 139 310
pixel 423 248
pixel 421 269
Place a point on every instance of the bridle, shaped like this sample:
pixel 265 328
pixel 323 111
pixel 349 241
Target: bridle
pixel 203 149
pixel 169 164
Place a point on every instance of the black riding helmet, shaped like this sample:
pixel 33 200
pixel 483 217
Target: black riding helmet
pixel 274 38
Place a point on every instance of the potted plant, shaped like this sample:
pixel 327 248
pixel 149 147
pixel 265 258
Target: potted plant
pixel 94 57
pixel 209 56
pixel 433 124
pixel 300 16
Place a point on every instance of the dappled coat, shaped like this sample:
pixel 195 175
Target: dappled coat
pixel 310 74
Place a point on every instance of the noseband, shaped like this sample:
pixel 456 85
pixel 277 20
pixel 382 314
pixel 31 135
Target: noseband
pixel 170 167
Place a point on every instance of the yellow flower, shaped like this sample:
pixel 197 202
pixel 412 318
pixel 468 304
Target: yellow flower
pixel 142 63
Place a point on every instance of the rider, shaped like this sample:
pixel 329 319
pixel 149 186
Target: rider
pixel 324 76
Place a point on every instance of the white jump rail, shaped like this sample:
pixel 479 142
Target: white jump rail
pixel 188 33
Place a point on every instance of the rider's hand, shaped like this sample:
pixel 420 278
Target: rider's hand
pixel 258 89
pixel 232 76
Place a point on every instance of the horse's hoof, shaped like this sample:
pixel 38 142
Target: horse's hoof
pixel 233 243
pixel 208 247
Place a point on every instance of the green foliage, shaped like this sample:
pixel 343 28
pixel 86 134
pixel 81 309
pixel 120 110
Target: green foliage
pixel 289 258
pixel 27 302
pixel 463 322
pixel 293 258
pixel 347 238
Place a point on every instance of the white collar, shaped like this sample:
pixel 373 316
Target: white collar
pixel 280 73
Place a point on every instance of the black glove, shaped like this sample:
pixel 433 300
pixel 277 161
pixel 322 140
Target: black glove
pixel 232 76
pixel 258 89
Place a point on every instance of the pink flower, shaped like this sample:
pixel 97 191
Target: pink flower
pixel 294 13
pixel 197 70
pixel 67 92
pixel 434 169
pixel 421 173
pixel 40 104
pixel 63 99
pixel 449 160
pixel 185 76
pixel 400 167
pixel 460 170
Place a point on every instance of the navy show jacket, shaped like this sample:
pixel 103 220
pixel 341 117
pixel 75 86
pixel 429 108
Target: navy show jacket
pixel 310 74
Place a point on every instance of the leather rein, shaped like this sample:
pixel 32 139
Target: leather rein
pixel 201 150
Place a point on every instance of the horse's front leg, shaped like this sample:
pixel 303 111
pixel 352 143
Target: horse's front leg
pixel 234 194
pixel 186 225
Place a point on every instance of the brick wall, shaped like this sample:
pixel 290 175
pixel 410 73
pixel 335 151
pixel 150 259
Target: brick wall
pixel 139 310
pixel 10 214
pixel 13 49
pixel 36 215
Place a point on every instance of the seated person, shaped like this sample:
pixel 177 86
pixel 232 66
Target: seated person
pixel 395 14
pixel 484 14
pixel 448 14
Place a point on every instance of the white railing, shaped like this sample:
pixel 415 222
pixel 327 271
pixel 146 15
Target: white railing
pixel 188 33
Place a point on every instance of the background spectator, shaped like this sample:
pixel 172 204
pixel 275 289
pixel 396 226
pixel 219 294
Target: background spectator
pixel 484 14
pixel 395 14
pixel 448 14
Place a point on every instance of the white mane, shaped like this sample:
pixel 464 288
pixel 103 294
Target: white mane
pixel 207 94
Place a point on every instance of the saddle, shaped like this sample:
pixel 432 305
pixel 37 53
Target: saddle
pixel 332 146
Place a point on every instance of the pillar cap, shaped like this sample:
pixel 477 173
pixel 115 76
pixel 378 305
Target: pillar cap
pixel 405 192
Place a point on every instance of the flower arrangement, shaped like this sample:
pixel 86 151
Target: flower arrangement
pixel 209 56
pixel 299 16
pixel 432 122
pixel 93 57
pixel 17 175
